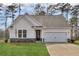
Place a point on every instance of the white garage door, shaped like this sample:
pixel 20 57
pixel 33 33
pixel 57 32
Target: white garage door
pixel 55 37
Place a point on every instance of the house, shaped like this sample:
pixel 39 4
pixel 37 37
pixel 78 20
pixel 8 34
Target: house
pixel 45 28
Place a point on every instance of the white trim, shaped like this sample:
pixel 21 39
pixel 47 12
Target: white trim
pixel 22 33
pixel 17 34
pixel 56 27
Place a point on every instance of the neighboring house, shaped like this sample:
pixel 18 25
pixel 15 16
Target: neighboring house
pixel 45 28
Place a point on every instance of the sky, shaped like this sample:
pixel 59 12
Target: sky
pixel 30 9
pixel 38 1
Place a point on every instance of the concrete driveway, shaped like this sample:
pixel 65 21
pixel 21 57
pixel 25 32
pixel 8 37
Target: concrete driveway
pixel 62 49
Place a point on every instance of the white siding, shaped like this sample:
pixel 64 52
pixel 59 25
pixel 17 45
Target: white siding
pixel 11 33
pixel 22 24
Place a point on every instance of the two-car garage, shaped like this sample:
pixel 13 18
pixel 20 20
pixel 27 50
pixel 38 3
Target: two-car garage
pixel 55 36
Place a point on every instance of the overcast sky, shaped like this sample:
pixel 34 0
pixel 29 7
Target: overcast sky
pixel 27 8
pixel 8 2
pixel 28 2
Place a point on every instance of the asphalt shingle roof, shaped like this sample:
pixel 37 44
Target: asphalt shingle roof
pixel 47 21
pixel 52 21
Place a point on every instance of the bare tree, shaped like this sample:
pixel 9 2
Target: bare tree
pixel 19 7
pixel 73 21
pixel 67 9
pixel 39 10
pixel 75 12
pixel 59 7
pixel 12 10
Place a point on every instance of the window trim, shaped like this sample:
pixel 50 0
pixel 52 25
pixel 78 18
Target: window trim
pixel 22 33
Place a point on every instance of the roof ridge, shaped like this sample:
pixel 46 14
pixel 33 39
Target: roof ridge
pixel 45 15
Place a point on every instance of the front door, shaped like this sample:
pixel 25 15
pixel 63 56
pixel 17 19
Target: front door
pixel 38 34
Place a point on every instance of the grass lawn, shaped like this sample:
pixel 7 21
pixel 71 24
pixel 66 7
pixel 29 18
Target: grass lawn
pixel 23 49
pixel 76 42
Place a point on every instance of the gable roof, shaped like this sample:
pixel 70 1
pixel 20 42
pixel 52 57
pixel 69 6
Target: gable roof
pixel 52 21
pixel 46 21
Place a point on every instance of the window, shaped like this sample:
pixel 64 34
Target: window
pixel 19 33
pixel 22 33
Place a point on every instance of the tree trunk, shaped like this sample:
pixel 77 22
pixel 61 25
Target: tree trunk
pixel 67 14
pixel 61 12
pixel 6 40
pixel 47 12
pixel 19 9
pixel 12 17
pixel 72 39
pixel 76 29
